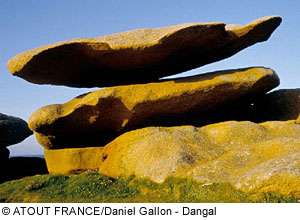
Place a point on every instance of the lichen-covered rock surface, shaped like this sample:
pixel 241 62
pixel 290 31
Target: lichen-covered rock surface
pixel 253 157
pixel 143 55
pixel 96 118
pixel 12 130
pixel 75 160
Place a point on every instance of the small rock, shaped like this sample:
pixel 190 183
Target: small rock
pixel 279 105
pixel 4 155
pixel 20 167
pixel 12 130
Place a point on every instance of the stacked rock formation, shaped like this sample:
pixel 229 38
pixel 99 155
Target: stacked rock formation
pixel 12 131
pixel 99 117
pixel 153 129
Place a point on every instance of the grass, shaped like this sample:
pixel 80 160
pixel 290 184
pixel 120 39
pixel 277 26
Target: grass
pixel 93 187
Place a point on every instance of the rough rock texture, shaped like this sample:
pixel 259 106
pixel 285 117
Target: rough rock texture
pixel 143 55
pixel 75 160
pixel 12 130
pixel 280 105
pixel 96 118
pixel 262 157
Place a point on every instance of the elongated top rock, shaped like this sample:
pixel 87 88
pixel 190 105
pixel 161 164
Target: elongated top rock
pixel 143 55
pixel 96 118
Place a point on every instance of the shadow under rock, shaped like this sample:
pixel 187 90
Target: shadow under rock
pixel 19 167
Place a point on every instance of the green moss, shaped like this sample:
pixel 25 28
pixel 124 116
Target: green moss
pixel 93 187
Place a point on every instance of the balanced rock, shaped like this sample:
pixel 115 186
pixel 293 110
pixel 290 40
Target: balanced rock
pixel 74 160
pixel 12 130
pixel 280 105
pixel 143 55
pixel 262 157
pixel 96 118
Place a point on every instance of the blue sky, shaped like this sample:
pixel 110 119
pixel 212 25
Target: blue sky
pixel 26 24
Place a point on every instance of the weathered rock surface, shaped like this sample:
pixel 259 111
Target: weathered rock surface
pixel 143 55
pixel 12 130
pixel 75 160
pixel 280 105
pixel 254 157
pixel 96 118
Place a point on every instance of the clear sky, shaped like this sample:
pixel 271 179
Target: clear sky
pixel 26 24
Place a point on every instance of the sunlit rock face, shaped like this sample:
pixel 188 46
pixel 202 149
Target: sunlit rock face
pixel 73 160
pixel 96 118
pixel 201 127
pixel 253 157
pixel 137 56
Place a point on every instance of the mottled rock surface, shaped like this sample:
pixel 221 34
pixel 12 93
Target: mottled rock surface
pixel 254 157
pixel 96 118
pixel 75 160
pixel 12 130
pixel 143 55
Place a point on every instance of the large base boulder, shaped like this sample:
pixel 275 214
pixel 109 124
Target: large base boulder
pixel 137 56
pixel 96 118
pixel 251 156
